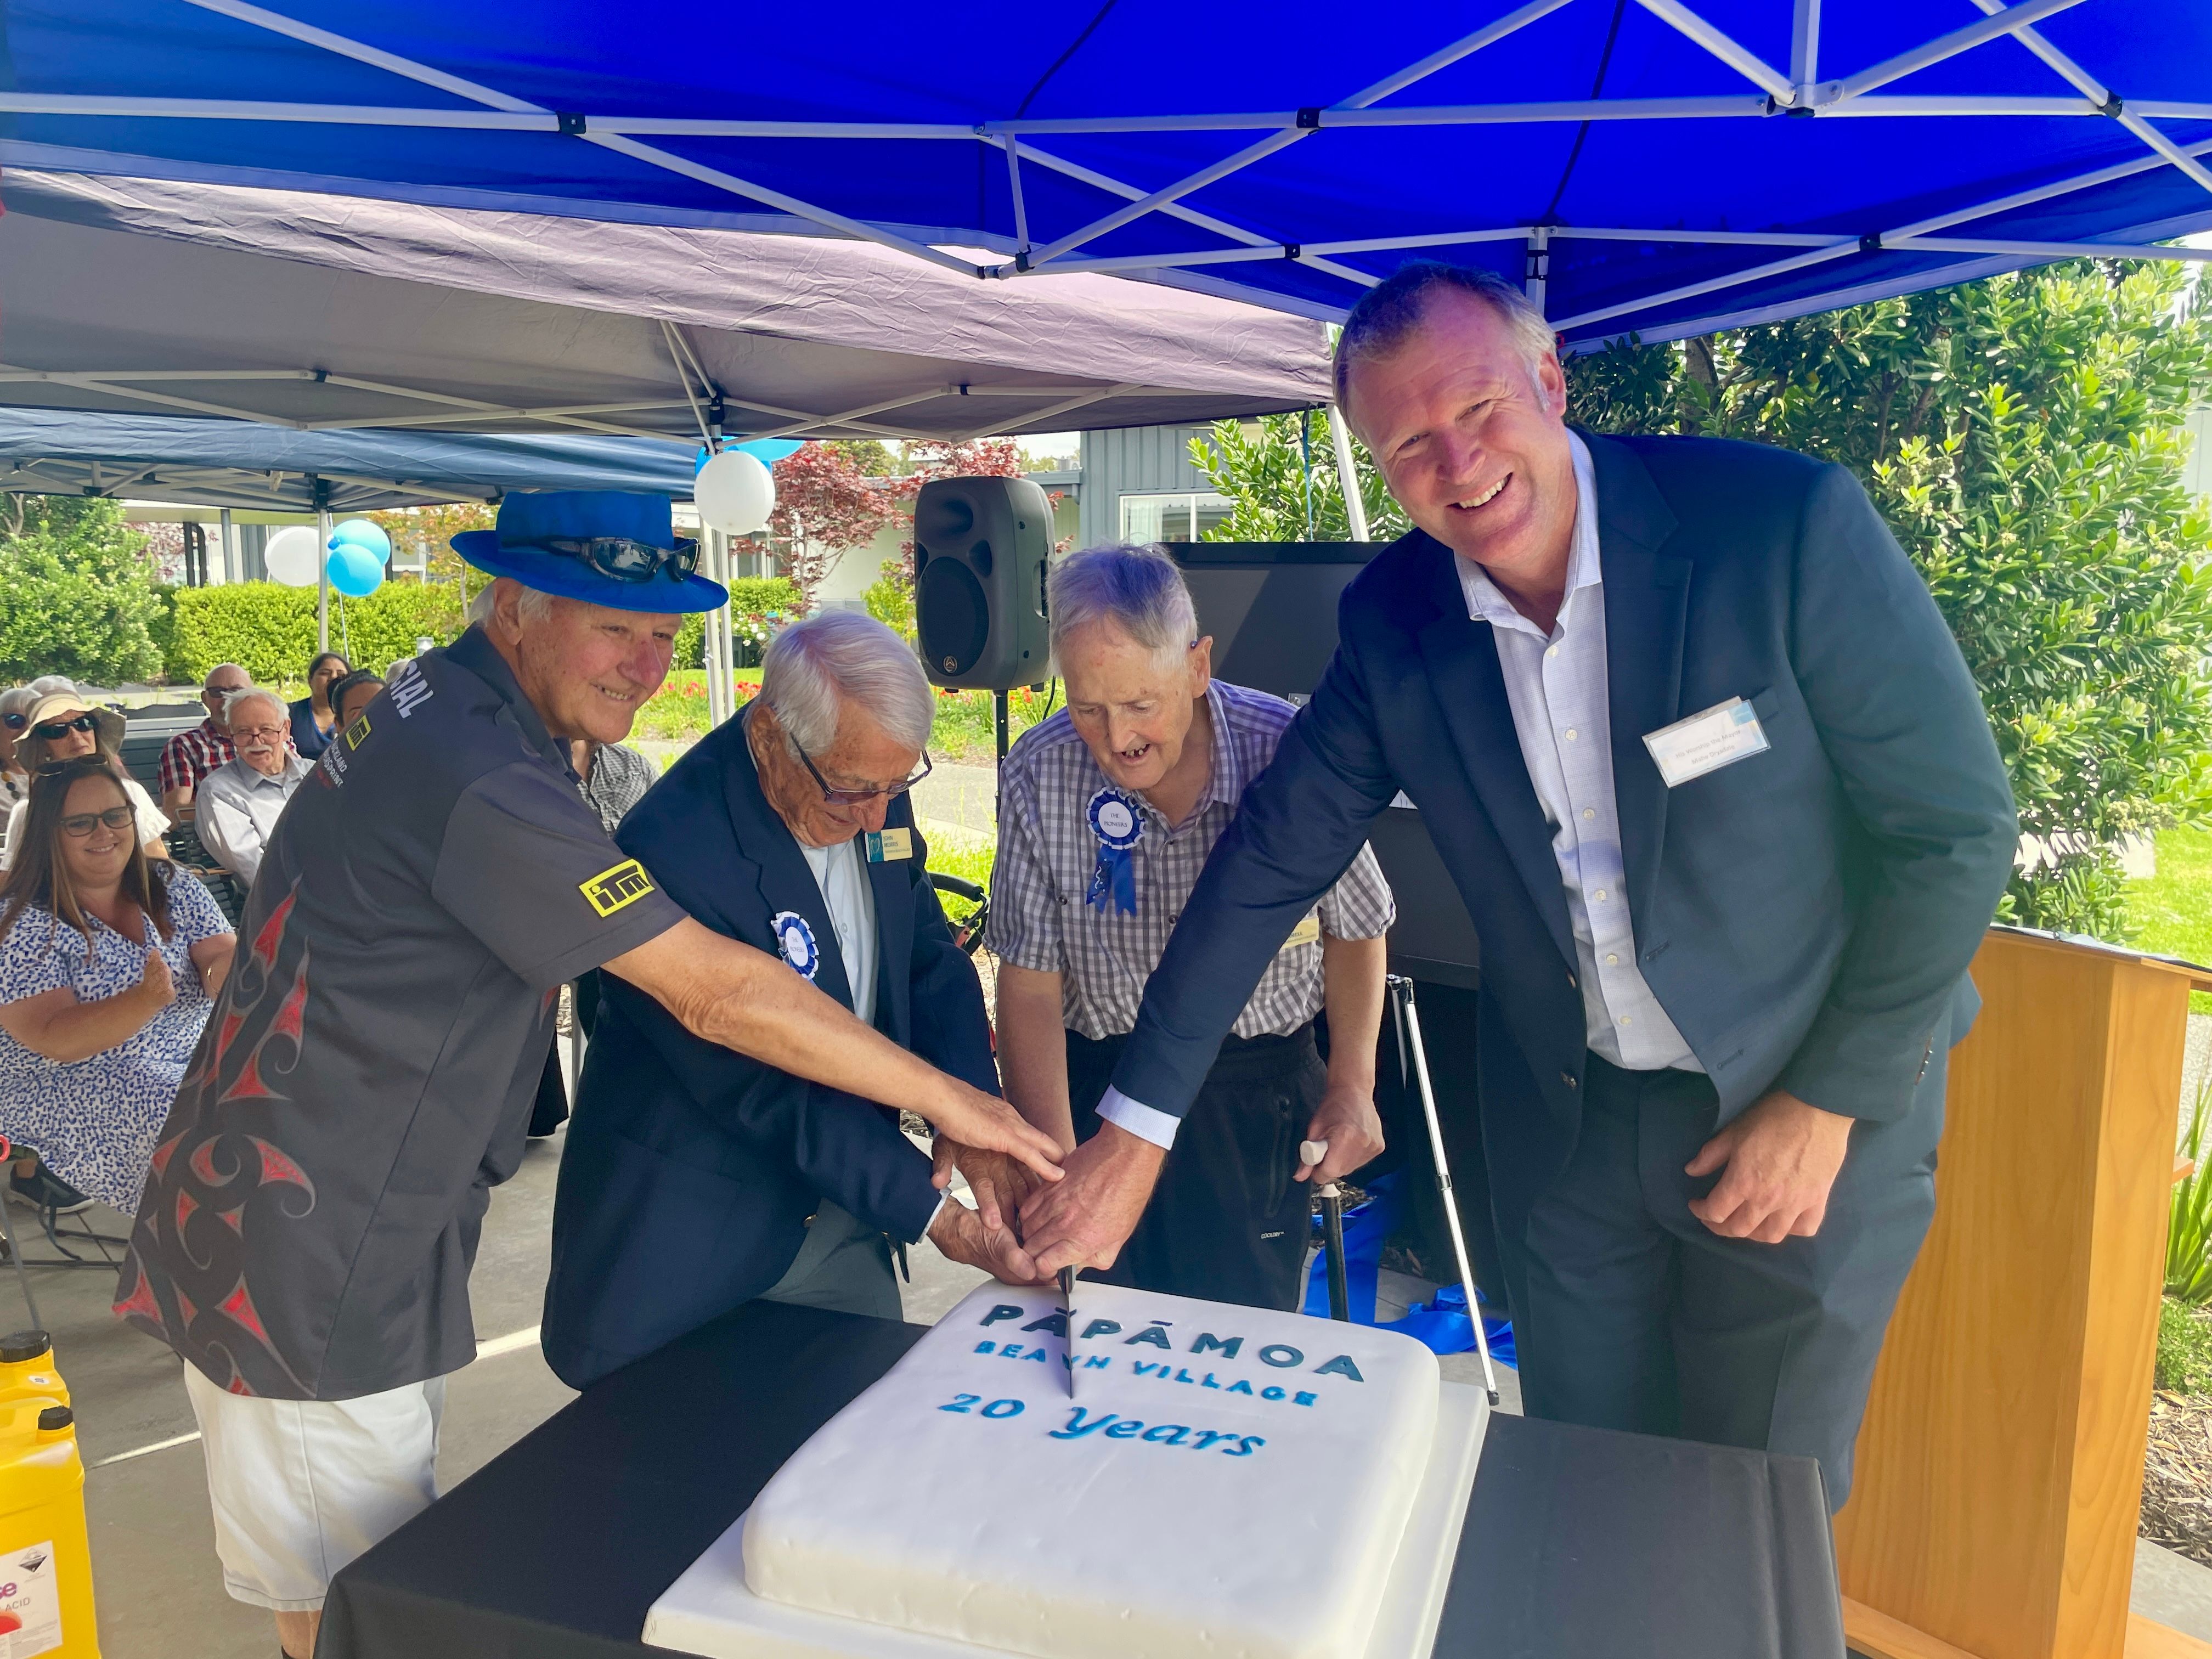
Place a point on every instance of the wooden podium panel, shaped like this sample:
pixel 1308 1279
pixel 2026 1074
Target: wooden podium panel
pixel 2000 1468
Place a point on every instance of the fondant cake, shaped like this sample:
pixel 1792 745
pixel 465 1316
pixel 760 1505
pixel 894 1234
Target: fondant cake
pixel 1225 1481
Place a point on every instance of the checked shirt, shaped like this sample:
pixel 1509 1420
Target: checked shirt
pixel 1047 852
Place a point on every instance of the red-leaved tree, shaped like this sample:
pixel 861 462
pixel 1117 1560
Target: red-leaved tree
pixel 825 507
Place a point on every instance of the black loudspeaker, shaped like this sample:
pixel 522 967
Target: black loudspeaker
pixel 980 549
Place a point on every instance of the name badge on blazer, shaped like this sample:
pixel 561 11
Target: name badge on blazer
pixel 888 846
pixel 1722 735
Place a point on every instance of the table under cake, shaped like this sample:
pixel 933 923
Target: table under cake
pixel 1577 1541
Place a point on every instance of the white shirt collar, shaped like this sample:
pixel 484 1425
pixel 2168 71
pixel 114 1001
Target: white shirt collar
pixel 1486 601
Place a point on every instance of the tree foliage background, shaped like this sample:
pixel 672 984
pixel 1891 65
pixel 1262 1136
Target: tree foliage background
pixel 76 597
pixel 2024 436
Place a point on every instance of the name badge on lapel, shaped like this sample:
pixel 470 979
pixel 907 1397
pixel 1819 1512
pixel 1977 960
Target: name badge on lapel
pixel 888 846
pixel 1722 735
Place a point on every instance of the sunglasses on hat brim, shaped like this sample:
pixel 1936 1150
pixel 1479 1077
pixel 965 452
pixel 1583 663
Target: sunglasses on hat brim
pixel 622 558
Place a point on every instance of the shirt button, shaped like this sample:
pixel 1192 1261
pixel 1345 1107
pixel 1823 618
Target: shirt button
pixel 1553 652
pixel 1571 734
pixel 1600 895
pixel 1590 812
pixel 1612 960
pixel 1626 1020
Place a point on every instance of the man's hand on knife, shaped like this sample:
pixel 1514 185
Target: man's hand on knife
pixel 1085 1219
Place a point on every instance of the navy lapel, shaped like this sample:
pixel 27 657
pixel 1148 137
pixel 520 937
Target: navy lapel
pixel 782 877
pixel 891 885
pixel 1462 657
pixel 1647 605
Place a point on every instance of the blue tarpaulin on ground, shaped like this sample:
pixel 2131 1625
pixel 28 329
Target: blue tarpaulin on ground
pixel 243 464
pixel 1658 165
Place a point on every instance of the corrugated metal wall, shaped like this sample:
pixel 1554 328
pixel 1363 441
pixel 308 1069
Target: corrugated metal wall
pixel 1132 460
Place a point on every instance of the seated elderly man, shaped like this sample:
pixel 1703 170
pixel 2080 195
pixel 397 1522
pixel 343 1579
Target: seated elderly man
pixel 696 1179
pixel 239 803
pixel 188 758
pixel 1108 812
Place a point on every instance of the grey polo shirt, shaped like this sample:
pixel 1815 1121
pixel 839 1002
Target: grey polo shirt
pixel 367 1075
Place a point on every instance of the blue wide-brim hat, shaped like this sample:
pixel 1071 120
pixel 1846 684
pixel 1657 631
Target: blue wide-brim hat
pixel 579 515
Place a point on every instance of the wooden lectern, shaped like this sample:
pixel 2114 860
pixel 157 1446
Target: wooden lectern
pixel 2000 1469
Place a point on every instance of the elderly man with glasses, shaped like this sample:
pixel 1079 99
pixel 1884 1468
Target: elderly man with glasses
pixel 188 758
pixel 240 800
pixel 695 1179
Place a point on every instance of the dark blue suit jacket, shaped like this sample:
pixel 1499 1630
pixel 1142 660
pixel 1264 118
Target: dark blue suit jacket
pixel 690 1170
pixel 1806 916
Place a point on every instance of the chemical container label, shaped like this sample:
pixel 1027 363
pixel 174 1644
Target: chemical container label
pixel 30 1606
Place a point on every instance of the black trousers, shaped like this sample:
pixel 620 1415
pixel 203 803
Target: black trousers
pixel 1630 1314
pixel 1228 1221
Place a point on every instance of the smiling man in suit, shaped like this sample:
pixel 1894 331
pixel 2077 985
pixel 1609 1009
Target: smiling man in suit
pixel 695 1179
pixel 1713 778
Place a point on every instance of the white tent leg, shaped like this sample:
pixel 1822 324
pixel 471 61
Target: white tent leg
pixel 1347 475
pixel 322 577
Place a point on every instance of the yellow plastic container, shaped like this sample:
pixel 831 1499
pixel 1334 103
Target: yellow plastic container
pixel 27 1369
pixel 45 1560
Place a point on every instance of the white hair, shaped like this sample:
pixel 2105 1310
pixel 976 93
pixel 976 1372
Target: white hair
pixel 533 606
pixel 235 701
pixel 54 685
pixel 1141 590
pixel 18 699
pixel 814 666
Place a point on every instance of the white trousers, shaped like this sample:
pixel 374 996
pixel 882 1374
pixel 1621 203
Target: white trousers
pixel 300 1487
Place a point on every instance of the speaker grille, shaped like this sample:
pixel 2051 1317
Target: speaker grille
pixel 953 618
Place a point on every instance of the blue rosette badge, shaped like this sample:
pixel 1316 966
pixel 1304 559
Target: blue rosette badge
pixel 796 940
pixel 1118 826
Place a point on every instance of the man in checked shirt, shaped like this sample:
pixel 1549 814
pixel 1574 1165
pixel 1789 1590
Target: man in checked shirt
pixel 1107 813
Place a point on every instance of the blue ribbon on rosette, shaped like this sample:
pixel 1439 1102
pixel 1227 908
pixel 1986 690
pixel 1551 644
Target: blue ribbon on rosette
pixel 1115 820
pixel 795 939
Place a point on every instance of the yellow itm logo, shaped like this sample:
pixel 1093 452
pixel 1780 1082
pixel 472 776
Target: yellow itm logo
pixel 609 891
pixel 357 733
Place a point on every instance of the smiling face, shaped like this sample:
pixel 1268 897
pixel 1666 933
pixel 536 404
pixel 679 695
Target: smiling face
pixel 587 669
pixel 1473 441
pixel 68 744
pixel 1132 705
pixel 96 860
pixel 257 732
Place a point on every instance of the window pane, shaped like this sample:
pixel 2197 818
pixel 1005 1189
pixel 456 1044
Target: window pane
pixel 1146 517
pixel 1213 511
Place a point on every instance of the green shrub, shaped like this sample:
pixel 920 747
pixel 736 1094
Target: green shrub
pixel 2188 1216
pixel 2183 1364
pixel 75 598
pixel 269 629
pixel 891 601
pixel 755 603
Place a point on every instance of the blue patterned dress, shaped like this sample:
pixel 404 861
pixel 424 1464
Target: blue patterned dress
pixel 94 1120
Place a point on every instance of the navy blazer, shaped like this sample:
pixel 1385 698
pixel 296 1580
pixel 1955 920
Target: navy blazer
pixel 691 1170
pixel 1806 916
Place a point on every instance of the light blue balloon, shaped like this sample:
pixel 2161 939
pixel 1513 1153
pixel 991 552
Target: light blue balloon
pixel 360 532
pixel 768 451
pixel 354 571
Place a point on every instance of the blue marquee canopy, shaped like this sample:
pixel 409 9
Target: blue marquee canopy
pixel 243 464
pixel 1659 166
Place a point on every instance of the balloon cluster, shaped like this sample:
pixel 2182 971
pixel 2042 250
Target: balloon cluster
pixel 735 491
pixel 357 554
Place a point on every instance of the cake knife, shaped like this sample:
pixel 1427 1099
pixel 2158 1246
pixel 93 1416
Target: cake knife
pixel 1068 1310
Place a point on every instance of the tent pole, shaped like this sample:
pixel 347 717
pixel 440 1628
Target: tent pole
pixel 1805 45
pixel 1347 475
pixel 322 565
pixel 1538 272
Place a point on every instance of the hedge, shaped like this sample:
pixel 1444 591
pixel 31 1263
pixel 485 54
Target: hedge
pixel 269 629
pixel 749 597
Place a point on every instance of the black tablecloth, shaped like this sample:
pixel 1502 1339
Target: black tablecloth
pixel 1578 1542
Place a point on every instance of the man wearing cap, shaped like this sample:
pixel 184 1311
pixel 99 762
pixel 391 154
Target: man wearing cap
pixel 314 1201
pixel 189 757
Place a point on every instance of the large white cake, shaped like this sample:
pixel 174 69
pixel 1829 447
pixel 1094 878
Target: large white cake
pixel 1226 1482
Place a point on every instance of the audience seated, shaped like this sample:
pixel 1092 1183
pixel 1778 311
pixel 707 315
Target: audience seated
pixel 67 728
pixel 240 802
pixel 108 961
pixel 191 755
pixel 353 694
pixel 16 705
pixel 314 717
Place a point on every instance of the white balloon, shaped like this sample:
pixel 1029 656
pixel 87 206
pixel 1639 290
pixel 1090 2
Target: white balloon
pixel 292 556
pixel 735 494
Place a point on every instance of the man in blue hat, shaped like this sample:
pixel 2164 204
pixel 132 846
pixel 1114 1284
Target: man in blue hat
pixel 307 1227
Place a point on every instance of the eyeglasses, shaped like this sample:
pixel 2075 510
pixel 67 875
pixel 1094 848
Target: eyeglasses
pixel 625 560
pixel 858 797
pixel 53 730
pixel 245 734
pixel 78 825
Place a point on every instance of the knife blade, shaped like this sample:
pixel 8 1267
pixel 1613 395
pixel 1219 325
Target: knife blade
pixel 1068 1312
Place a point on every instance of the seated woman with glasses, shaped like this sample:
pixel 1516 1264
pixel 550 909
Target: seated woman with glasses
pixel 108 963
pixel 65 727
pixel 16 705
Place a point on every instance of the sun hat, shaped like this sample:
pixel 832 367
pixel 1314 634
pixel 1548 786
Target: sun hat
pixel 530 521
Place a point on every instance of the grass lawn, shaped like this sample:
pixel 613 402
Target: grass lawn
pixel 2171 913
